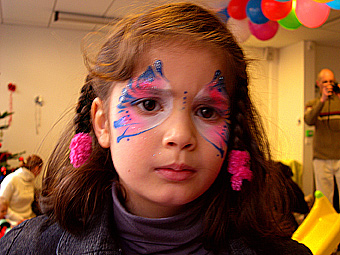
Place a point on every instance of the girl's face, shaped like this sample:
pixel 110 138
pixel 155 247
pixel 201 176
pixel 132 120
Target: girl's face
pixel 168 129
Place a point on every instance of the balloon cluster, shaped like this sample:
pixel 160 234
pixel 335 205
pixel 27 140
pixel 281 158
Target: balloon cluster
pixel 262 18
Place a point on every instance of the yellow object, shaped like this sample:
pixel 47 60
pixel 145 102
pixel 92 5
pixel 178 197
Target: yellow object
pixel 296 169
pixel 320 231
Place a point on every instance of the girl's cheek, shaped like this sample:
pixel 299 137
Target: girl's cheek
pixel 130 123
pixel 217 136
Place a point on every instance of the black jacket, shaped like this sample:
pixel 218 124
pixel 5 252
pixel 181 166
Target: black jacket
pixel 39 236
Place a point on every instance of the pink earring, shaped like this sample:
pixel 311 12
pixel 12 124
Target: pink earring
pixel 81 148
pixel 239 167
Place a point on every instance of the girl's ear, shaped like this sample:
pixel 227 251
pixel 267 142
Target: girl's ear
pixel 100 123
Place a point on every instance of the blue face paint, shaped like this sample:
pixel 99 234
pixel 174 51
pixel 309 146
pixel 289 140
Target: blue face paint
pixel 212 119
pixel 184 100
pixel 144 103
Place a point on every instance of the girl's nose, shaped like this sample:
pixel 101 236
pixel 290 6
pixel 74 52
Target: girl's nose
pixel 180 133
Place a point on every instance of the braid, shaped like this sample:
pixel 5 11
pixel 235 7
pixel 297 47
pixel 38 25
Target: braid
pixel 82 119
pixel 241 119
pixel 247 133
pixel 238 130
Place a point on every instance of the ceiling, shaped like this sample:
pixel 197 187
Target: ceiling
pixel 41 13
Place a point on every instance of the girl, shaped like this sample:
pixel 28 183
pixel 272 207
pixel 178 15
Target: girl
pixel 167 155
pixel 19 189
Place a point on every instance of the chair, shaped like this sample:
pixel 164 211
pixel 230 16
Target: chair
pixel 320 231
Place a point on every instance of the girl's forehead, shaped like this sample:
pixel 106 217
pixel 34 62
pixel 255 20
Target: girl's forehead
pixel 183 65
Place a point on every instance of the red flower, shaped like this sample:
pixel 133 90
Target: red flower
pixel 11 87
pixel 21 158
pixel 81 148
pixel 239 167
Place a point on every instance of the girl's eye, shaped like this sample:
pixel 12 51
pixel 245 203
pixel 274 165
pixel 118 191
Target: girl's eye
pixel 149 105
pixel 207 113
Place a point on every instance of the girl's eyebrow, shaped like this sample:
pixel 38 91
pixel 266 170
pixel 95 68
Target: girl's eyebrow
pixel 213 100
pixel 153 90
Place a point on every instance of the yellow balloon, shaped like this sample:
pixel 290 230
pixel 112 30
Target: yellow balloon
pixel 323 1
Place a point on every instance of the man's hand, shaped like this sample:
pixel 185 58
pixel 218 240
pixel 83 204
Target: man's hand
pixel 327 91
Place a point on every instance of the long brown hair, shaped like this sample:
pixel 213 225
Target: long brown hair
pixel 71 196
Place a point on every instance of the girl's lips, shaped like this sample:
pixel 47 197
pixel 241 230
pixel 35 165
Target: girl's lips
pixel 176 173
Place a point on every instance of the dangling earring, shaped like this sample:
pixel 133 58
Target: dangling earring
pixel 239 167
pixel 81 148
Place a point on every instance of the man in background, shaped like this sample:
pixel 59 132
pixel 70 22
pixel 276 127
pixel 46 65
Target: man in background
pixel 323 112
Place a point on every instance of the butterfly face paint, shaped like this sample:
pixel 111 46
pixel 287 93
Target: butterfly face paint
pixel 145 103
pixel 212 117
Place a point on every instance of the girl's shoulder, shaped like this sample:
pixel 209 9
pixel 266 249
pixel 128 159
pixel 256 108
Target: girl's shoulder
pixel 35 236
pixel 40 235
pixel 289 246
pixel 277 247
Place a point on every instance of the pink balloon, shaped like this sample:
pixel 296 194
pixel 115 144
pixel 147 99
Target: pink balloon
pixel 237 9
pixel 310 13
pixel 264 31
pixel 239 28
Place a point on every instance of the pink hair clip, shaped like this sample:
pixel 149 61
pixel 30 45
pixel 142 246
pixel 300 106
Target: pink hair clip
pixel 239 167
pixel 81 148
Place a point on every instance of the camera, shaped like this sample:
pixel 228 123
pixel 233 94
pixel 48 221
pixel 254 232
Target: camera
pixel 336 88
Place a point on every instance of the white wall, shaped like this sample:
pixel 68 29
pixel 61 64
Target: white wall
pixel 309 89
pixel 290 101
pixel 328 57
pixel 280 96
pixel 263 73
pixel 46 62
pixel 277 84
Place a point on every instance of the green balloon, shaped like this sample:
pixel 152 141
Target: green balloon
pixel 290 21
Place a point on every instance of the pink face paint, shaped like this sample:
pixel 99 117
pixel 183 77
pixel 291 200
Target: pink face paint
pixel 214 99
pixel 145 103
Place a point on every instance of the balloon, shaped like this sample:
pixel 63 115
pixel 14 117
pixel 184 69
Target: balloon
pixel 239 28
pixel 223 14
pixel 335 4
pixel 254 12
pixel 237 9
pixel 310 13
pixel 322 1
pixel 290 21
pixel 274 10
pixel 264 31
